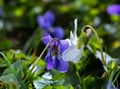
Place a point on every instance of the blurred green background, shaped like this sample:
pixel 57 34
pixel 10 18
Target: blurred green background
pixel 19 28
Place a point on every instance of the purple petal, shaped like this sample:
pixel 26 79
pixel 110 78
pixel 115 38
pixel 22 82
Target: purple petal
pixel 64 44
pixel 49 60
pixel 54 44
pixel 61 65
pixel 113 9
pixel 1 11
pixel 50 64
pixel 47 57
pixel 49 17
pixel 46 39
pixel 42 23
pixel 58 32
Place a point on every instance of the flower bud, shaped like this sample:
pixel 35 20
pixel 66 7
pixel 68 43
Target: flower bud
pixel 88 33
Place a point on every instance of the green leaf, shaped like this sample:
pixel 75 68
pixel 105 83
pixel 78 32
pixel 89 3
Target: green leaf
pixel 93 44
pixel 71 77
pixel 8 76
pixel 90 82
pixel 19 54
pixel 59 87
pixel 48 87
pixel 42 83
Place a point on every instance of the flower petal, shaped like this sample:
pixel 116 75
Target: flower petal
pixel 114 9
pixel 58 32
pixel 64 44
pixel 47 57
pixel 46 39
pixel 61 65
pixel 50 64
pixel 107 57
pixel 49 17
pixel 73 54
pixel 49 60
pixel 42 23
pixel 73 39
pixel 73 35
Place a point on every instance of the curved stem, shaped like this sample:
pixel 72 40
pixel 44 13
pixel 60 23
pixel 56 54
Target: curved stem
pixel 32 67
pixel 101 51
pixel 34 64
pixel 44 51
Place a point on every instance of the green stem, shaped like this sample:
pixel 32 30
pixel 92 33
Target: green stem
pixel 110 79
pixel 79 79
pixel 101 51
pixel 117 75
pixel 34 64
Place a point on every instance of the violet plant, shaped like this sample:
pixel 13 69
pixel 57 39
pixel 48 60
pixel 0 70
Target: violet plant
pixel 57 61
pixel 45 22
pixel 53 57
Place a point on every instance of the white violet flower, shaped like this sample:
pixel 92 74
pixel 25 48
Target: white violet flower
pixel 107 57
pixel 73 53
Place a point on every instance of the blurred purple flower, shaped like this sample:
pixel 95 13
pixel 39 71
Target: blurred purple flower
pixel 1 11
pixel 45 22
pixel 113 9
pixel 53 57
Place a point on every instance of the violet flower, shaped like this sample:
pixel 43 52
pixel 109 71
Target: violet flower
pixel 73 53
pixel 45 22
pixel 1 11
pixel 113 9
pixel 53 57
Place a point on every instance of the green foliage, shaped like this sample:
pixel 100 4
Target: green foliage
pixel 20 45
pixel 92 83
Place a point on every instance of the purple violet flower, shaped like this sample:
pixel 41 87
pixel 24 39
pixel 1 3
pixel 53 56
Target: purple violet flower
pixel 113 9
pixel 1 11
pixel 53 57
pixel 45 22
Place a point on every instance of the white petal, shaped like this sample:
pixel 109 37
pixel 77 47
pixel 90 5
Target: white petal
pixel 72 54
pixel 73 39
pixel 75 31
pixel 107 57
pixel 69 42
pixel 71 35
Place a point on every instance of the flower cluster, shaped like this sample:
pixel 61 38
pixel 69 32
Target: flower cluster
pixel 45 22
pixel 61 52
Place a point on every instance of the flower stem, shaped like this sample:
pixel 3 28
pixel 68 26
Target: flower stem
pixel 79 79
pixel 101 51
pixel 43 52
pixel 32 67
